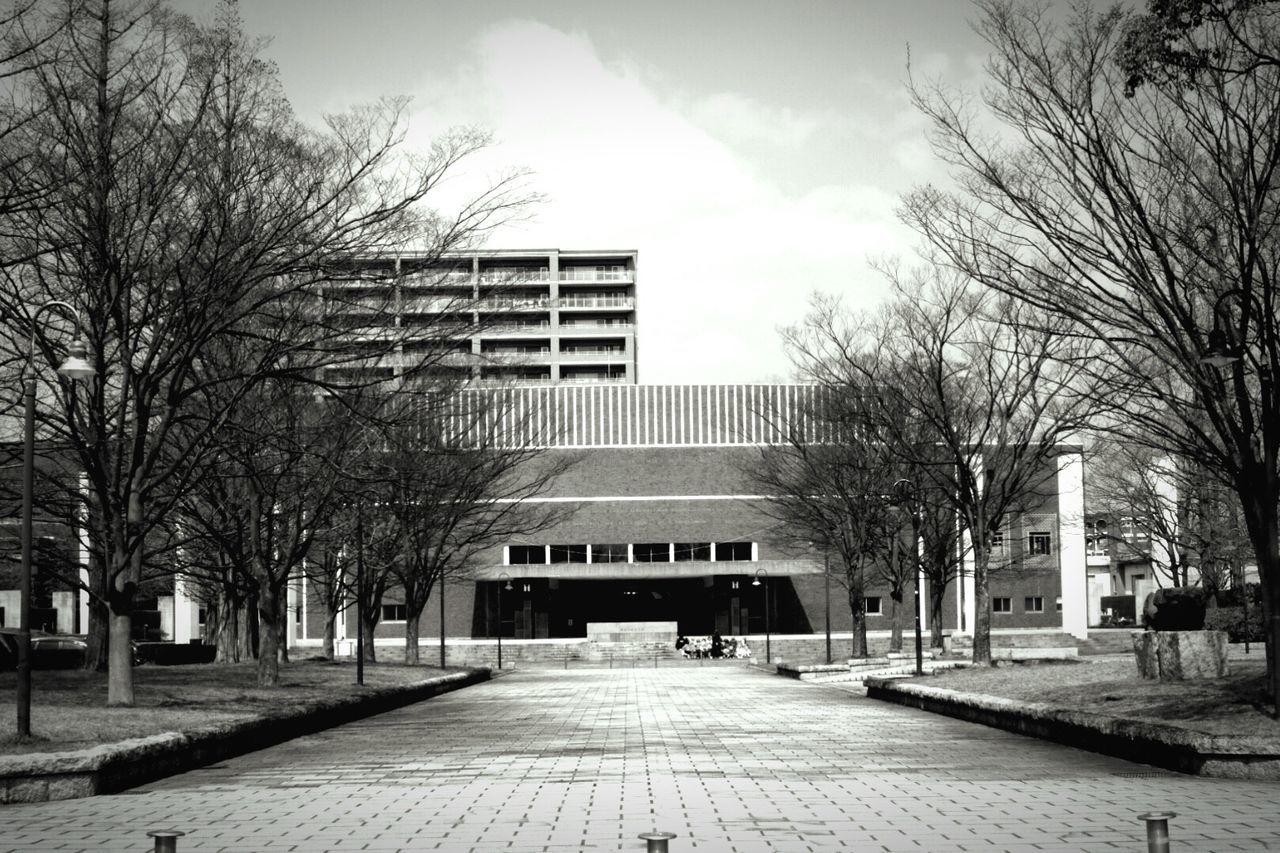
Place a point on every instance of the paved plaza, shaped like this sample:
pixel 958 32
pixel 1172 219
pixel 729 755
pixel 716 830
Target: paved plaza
pixel 726 757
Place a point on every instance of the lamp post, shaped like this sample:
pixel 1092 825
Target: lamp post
pixel 360 590
pixel 501 576
pixel 76 366
pixel 768 651
pixel 826 574
pixel 1223 353
pixel 905 491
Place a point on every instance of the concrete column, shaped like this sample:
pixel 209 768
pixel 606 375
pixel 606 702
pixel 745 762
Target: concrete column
pixel 1071 548
pixel 186 613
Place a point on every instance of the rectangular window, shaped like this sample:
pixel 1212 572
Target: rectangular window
pixel 608 553
pixel 873 605
pixel 527 555
pixel 692 551
pixel 733 551
pixel 1033 604
pixel 1001 605
pixel 1039 542
pixel 652 552
pixel 1096 544
pixel 1057 604
pixel 568 553
pixel 997 540
pixel 394 613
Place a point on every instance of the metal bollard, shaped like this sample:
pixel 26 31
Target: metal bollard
pixel 657 841
pixel 566 661
pixel 1157 830
pixel 167 839
pixel 655 660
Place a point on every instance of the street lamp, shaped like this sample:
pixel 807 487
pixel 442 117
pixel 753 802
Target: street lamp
pixel 76 366
pixel 905 492
pixel 768 651
pixel 1222 353
pixel 501 576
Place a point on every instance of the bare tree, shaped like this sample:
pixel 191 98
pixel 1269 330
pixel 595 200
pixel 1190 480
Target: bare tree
pixel 466 470
pixel 828 484
pixel 1141 210
pixel 188 207
pixel 977 408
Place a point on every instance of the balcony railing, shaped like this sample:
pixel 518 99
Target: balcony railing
pixel 591 380
pixel 580 326
pixel 503 329
pixel 532 303
pixel 514 275
pixel 597 302
pixel 591 274
pixel 593 355
pixel 430 277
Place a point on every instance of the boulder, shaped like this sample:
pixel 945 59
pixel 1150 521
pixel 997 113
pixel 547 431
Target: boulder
pixel 1179 655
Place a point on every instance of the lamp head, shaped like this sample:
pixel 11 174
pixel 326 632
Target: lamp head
pixel 77 364
pixel 756 582
pixel 508 586
pixel 1220 352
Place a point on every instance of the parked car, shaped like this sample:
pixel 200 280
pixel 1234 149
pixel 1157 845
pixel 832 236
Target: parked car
pixel 48 651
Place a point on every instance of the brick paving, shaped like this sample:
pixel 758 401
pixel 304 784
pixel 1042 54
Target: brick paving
pixel 729 758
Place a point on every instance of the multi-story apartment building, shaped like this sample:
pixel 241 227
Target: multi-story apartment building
pixel 545 316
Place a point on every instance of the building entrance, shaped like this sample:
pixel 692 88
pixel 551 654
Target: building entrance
pixel 686 601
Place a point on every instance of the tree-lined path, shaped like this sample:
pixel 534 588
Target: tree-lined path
pixel 728 758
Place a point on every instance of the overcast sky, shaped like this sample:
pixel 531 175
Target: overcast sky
pixel 750 151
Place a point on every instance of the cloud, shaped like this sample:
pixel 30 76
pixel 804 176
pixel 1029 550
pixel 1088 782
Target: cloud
pixel 726 255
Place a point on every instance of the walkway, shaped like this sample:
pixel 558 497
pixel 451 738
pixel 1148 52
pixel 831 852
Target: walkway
pixel 728 758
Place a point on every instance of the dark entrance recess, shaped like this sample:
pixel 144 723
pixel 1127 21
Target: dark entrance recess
pixel 537 608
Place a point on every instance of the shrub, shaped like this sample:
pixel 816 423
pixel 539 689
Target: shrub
pixel 1178 608
pixel 1231 620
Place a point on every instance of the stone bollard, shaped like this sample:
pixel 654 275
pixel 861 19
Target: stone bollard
pixel 657 841
pixel 1157 830
pixel 166 839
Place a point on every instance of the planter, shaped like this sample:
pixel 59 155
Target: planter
pixel 1178 655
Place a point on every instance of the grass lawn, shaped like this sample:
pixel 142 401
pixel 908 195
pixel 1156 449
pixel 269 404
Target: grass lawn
pixel 1234 705
pixel 69 710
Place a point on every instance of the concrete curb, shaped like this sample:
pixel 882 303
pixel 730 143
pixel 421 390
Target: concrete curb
pixel 1171 747
pixel 108 768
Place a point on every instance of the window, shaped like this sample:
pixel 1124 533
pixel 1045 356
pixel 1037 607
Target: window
pixel 568 553
pixel 997 540
pixel 693 551
pixel 1057 604
pixel 608 553
pixel 394 613
pixel 1033 604
pixel 1096 539
pixel 527 555
pixel 872 605
pixel 1038 542
pixel 1002 605
pixel 733 551
pixel 652 552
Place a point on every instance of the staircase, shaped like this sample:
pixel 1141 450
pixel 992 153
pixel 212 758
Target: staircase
pixel 1107 641
pixel 597 651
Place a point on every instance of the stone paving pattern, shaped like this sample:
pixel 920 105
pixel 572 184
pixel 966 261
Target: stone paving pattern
pixel 729 758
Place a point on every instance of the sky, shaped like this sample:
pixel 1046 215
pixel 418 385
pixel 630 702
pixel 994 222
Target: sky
pixel 751 152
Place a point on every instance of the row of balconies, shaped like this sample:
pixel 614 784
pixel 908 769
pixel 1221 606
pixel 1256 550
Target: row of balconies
pixel 436 305
pixel 429 278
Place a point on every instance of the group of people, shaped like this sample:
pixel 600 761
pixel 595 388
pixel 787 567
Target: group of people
pixel 714 646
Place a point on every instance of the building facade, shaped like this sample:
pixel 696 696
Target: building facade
pixel 663 526
pixel 510 317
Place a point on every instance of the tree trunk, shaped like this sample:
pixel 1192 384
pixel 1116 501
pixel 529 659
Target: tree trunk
pixel 326 643
pixel 120 660
pixel 411 638
pixel 120 645
pixel 858 610
pixel 982 609
pixel 227 628
pixel 370 656
pixel 269 637
pixel 936 598
pixel 282 627
pixel 895 620
pixel 97 631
